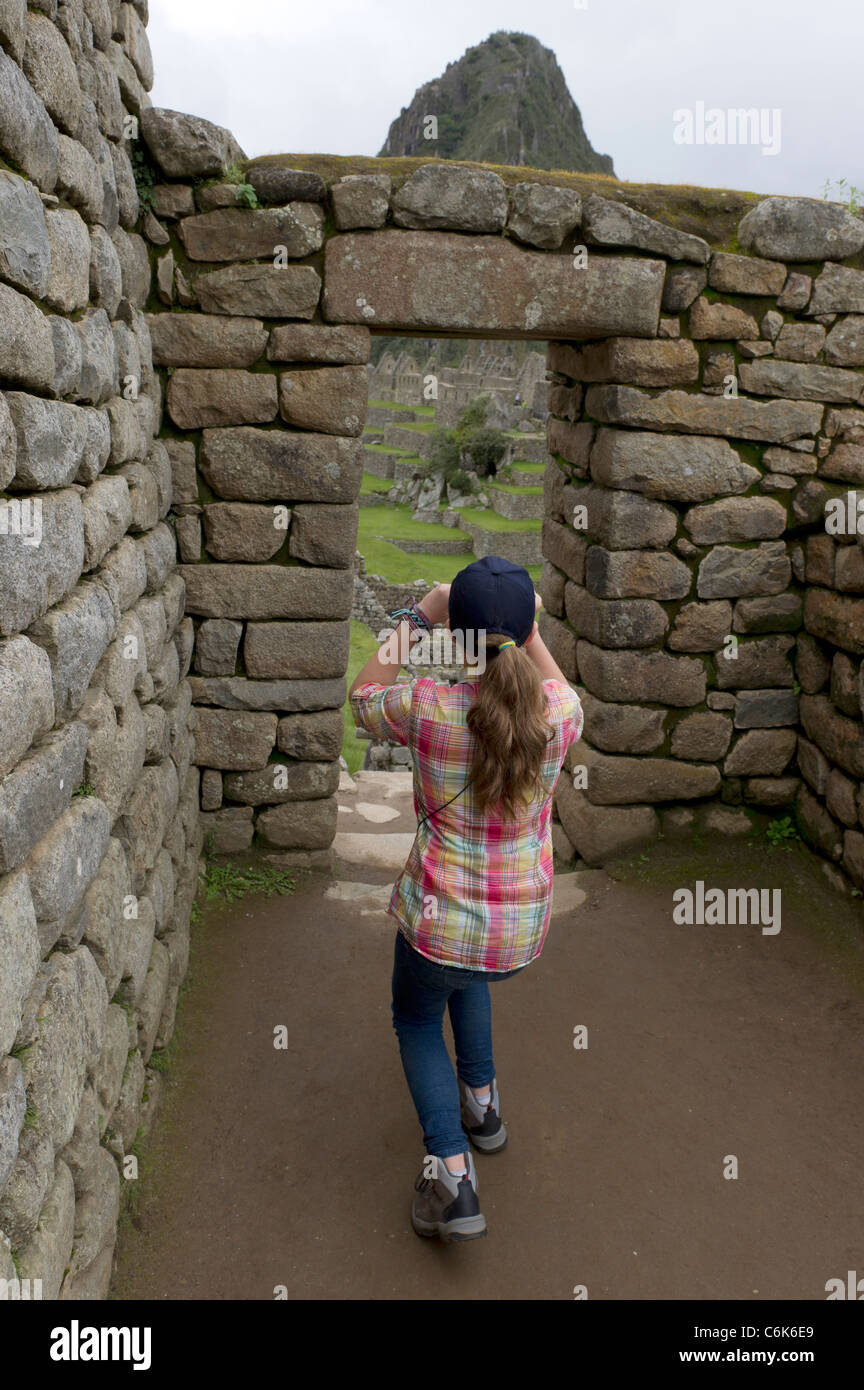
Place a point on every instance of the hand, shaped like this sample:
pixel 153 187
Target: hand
pixel 436 604
pixel 535 632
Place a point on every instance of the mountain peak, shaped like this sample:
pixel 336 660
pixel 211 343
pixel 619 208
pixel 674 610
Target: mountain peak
pixel 505 101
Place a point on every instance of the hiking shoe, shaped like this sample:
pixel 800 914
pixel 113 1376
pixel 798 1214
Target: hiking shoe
pixel 482 1123
pixel 448 1206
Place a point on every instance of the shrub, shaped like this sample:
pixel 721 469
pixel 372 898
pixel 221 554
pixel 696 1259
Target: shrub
pixel 145 173
pixel 472 445
pixel 780 832
pixel 459 481
pixel 443 453
pixel 483 450
pixel 845 190
pixel 473 416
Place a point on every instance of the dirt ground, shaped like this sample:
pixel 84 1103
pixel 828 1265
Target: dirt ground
pixel 294 1168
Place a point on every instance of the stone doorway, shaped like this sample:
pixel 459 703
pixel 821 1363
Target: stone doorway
pixel 692 408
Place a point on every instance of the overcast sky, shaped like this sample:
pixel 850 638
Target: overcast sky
pixel 330 75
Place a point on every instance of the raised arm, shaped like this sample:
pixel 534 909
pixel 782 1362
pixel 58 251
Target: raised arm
pixel 542 658
pixel 383 668
pixel 540 653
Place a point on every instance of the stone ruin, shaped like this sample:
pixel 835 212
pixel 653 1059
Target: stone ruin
pixel 183 390
pixel 515 390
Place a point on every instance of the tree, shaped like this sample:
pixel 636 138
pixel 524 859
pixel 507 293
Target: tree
pixel 482 450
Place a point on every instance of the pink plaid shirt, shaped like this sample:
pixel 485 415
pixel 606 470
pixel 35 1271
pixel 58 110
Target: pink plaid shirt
pixel 476 889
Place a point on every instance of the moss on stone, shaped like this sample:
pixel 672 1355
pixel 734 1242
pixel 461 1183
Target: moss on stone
pixel 712 213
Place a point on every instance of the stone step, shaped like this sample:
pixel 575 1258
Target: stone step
pixel 516 506
pixel 372 899
pixel 402 437
pixel 371 811
pixel 387 850
pixel 367 899
pixel 371 499
pixel 460 545
pixel 522 547
pixel 567 894
pixel 407 467
pixel 530 448
pixel 380 464
pixel 522 471
pixel 375 798
pixel 388 415
pixel 387 784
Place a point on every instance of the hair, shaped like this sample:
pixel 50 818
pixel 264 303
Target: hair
pixel 509 721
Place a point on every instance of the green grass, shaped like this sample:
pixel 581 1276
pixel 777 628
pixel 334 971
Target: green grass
pixel 363 645
pixel 396 521
pixel 491 521
pixel 428 410
pixel 399 567
pixel 418 426
pixel 514 487
pixel 371 483
pixel 386 449
pixel 231 883
pixel 523 466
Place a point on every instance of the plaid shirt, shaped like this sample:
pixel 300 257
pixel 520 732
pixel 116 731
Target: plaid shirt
pixel 476 890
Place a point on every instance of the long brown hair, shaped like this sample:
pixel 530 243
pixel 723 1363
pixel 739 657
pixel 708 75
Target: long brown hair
pixel 509 721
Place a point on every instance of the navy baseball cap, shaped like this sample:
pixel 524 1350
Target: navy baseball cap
pixel 494 595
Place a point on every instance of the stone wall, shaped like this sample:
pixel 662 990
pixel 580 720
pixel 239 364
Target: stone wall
pixel 375 598
pixel 99 842
pixel 705 415
pixel 701 395
pixel 265 411
pixel 691 583
pixel 266 394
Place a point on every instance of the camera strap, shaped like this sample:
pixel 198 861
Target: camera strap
pixel 429 814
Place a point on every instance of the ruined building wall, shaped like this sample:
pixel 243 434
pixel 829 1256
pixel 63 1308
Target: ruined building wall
pixel 406 382
pixel 705 408
pixel 709 603
pixel 264 410
pixel 99 840
pixel 704 405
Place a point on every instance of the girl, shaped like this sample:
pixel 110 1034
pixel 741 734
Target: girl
pixel 472 904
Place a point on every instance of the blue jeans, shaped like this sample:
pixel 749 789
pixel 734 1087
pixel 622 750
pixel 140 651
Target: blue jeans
pixel 421 990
